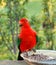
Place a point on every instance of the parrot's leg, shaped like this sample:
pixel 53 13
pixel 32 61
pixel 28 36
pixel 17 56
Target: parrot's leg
pixel 30 52
pixel 27 53
pixel 34 50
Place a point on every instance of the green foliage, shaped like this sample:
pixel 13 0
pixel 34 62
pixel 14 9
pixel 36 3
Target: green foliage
pixel 18 42
pixel 9 17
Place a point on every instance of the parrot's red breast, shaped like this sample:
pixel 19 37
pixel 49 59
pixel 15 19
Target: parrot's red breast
pixel 27 35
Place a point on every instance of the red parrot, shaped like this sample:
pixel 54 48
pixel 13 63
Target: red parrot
pixel 26 38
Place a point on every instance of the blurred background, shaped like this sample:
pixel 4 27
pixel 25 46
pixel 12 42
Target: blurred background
pixel 42 17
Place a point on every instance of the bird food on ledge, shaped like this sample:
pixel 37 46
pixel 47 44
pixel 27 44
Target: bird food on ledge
pixel 39 57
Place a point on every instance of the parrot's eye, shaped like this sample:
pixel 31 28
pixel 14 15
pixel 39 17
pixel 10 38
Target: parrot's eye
pixel 20 25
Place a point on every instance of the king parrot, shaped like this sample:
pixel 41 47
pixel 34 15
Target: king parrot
pixel 27 38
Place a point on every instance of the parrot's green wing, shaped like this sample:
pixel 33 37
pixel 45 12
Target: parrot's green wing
pixel 18 42
pixel 37 39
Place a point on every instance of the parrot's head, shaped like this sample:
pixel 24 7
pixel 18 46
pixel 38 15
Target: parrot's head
pixel 24 22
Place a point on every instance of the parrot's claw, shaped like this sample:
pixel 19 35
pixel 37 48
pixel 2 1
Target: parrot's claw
pixel 34 50
pixel 29 53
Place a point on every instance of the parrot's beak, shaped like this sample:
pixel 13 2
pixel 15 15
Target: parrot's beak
pixel 20 25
